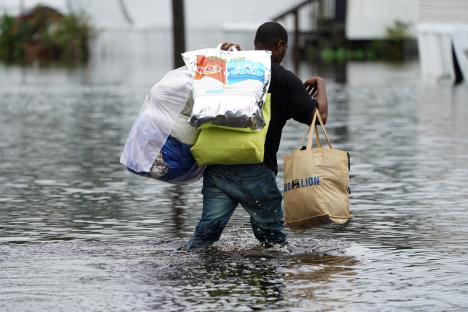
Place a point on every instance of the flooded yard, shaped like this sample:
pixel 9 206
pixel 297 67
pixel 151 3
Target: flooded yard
pixel 80 233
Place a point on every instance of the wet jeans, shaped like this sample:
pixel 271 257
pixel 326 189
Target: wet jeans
pixel 254 187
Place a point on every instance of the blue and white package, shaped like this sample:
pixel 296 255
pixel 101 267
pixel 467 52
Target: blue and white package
pixel 229 88
pixel 241 69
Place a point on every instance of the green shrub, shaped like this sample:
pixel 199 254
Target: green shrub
pixel 7 41
pixel 45 34
pixel 398 32
pixel 396 37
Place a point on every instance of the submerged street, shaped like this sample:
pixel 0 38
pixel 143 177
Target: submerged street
pixel 78 232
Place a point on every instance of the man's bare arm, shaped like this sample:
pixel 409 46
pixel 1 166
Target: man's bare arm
pixel 316 86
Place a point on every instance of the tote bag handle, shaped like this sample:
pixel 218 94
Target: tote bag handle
pixel 317 138
pixel 314 130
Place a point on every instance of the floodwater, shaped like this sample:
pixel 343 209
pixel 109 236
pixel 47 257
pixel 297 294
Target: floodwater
pixel 79 233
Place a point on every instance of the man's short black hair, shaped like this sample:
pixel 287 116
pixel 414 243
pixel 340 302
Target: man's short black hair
pixel 269 33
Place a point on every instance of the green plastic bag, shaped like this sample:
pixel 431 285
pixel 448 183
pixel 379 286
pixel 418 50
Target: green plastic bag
pixel 217 146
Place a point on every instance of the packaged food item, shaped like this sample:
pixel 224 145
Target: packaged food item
pixel 229 88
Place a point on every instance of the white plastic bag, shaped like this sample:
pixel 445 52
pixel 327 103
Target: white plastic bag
pixel 184 131
pixel 229 87
pixel 161 110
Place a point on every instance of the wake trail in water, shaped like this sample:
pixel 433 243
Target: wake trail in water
pixel 243 243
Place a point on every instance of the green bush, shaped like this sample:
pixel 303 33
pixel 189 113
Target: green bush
pixel 45 35
pixel 6 40
pixel 396 37
pixel 71 36
pixel 398 32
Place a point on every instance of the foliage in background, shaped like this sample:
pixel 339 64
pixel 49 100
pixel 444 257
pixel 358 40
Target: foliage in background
pixel 398 32
pixel 343 55
pixel 394 47
pixel 397 35
pixel 44 34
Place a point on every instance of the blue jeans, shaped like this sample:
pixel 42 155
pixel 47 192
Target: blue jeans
pixel 254 187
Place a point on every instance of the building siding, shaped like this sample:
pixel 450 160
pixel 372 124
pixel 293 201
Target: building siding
pixel 369 19
pixel 443 11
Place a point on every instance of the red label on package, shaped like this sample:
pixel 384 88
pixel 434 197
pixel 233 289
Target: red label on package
pixel 211 66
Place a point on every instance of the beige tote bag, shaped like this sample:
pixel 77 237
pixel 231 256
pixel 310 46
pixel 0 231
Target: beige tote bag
pixel 316 184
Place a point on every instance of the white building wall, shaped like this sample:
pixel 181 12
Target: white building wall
pixel 443 11
pixel 368 19
pixel 443 33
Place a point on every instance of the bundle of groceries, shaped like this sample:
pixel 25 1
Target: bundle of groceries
pixel 159 142
pixel 229 88
pixel 217 91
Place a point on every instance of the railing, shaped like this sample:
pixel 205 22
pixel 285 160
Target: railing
pixel 295 12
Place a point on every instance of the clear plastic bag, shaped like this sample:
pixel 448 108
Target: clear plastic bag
pixel 158 118
pixel 229 87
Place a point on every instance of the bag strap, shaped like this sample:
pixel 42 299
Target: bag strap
pixel 313 127
pixel 317 138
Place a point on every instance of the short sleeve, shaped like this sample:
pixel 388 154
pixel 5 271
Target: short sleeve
pixel 302 105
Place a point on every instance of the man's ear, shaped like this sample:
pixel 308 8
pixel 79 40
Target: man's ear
pixel 279 46
pixel 277 49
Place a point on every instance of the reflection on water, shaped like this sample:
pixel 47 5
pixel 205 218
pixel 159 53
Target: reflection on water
pixel 78 232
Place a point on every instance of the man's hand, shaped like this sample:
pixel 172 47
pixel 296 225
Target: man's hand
pixel 316 88
pixel 228 45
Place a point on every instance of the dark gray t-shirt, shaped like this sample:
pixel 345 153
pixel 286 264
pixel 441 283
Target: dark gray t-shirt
pixel 289 99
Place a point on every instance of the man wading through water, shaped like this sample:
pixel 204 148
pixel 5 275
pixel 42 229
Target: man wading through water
pixel 254 185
